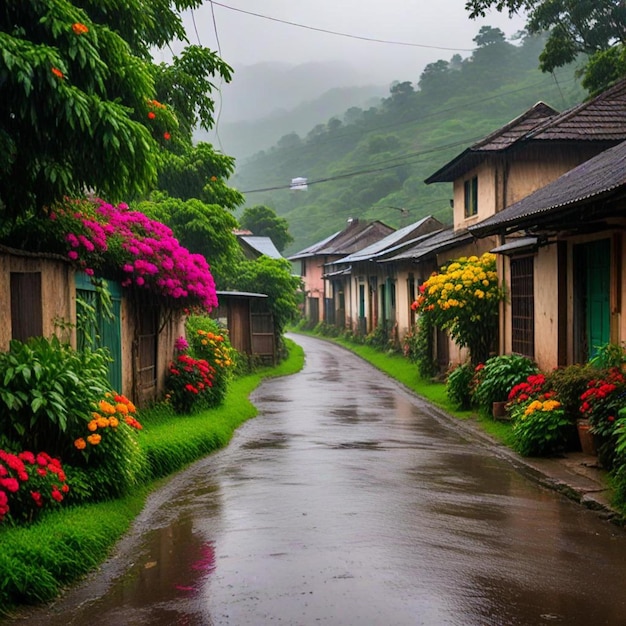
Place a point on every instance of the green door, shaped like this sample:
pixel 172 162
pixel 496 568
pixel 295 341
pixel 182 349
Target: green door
pixel 598 271
pixel 106 332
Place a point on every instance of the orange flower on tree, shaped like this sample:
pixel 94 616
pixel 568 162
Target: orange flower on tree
pixel 58 73
pixel 79 29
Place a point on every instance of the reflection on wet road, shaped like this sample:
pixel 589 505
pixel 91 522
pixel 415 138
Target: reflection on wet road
pixel 347 501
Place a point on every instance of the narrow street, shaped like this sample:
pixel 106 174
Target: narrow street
pixel 348 501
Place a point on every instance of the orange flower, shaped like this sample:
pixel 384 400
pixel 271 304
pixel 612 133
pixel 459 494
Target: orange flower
pixel 79 29
pixel 93 425
pixel 58 73
pixel 121 408
pixel 114 422
pixel 103 422
pixel 94 440
pixel 80 444
pixel 151 115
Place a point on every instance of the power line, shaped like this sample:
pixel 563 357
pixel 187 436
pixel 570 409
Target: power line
pixel 408 161
pixel 348 35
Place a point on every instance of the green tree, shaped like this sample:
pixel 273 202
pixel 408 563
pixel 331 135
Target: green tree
pixel 78 90
pixel 274 278
pixel 199 172
pixel 596 28
pixel 263 221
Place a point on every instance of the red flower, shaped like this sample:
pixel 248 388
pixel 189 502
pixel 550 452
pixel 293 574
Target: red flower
pixel 151 115
pixel 166 136
pixel 58 73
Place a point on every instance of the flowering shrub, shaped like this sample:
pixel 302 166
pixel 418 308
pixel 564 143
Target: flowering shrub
pixel 209 341
pixel 602 400
pixel 463 298
pixel 108 452
pixel 532 388
pixel 28 483
pixel 600 403
pixel 138 250
pixel 189 383
pixel 540 428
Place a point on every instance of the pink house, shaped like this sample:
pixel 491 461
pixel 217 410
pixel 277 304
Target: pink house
pixel 355 236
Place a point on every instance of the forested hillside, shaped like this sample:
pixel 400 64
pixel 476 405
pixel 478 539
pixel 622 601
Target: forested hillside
pixel 366 161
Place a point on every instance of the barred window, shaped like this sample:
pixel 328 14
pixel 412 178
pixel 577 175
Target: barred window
pixel 523 306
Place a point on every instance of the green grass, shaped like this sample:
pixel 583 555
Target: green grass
pixel 37 561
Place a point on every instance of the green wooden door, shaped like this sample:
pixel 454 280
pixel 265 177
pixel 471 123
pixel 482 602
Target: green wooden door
pixel 107 331
pixel 598 294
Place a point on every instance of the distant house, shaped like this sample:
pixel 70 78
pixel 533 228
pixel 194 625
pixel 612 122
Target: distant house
pixel 500 172
pixel 367 292
pixel 319 305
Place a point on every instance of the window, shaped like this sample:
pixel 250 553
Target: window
pixel 471 197
pixel 26 305
pixel 523 306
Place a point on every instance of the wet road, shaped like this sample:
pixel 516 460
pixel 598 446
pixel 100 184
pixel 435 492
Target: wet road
pixel 347 501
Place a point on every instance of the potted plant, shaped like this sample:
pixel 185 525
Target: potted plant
pixel 498 376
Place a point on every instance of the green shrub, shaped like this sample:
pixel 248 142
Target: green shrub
pixel 422 347
pixel 570 383
pixel 459 386
pixel 498 376
pixel 48 390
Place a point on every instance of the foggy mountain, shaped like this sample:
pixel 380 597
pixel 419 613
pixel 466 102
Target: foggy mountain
pixel 370 162
pixel 268 100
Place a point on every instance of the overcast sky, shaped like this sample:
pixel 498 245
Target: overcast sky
pixel 246 39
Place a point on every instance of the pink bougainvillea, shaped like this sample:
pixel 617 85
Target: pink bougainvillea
pixel 141 251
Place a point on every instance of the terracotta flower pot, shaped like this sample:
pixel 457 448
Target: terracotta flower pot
pixel 587 442
pixel 499 412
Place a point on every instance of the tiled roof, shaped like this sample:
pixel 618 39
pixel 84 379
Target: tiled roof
pixel 600 119
pixel 593 179
pixel 393 240
pixel 499 140
pixel 355 236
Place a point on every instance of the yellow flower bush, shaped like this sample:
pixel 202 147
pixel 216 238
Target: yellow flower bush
pixel 463 298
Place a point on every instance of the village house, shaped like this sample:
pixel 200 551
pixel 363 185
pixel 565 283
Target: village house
pixel 366 293
pixel 570 236
pixel 501 170
pixel 320 306
pixel 42 294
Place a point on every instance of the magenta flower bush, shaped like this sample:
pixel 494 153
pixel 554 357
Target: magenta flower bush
pixel 141 252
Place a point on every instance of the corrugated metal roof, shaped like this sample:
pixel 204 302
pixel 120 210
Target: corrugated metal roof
pixel 592 179
pixel 438 242
pixel 263 245
pixel 410 232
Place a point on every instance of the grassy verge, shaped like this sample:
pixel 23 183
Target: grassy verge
pixel 37 561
